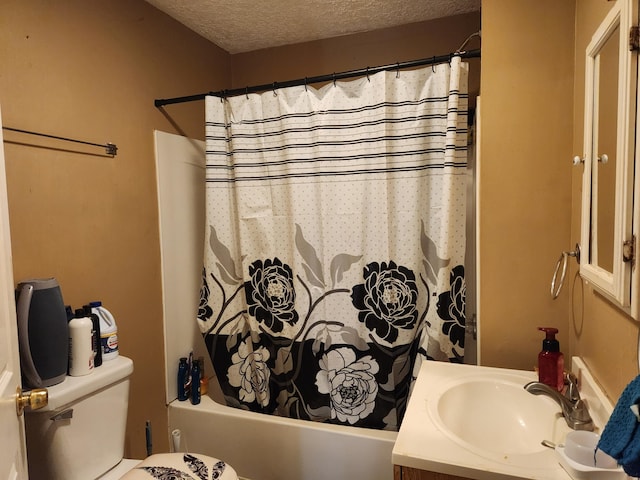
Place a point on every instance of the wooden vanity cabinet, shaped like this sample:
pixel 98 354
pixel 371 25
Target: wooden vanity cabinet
pixel 409 473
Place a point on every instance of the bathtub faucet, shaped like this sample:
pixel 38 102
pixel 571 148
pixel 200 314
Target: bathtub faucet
pixel 574 409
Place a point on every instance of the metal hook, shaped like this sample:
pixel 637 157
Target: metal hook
pixel 334 79
pixel 398 70
pixel 305 84
pixel 368 79
pixel 433 64
pixel 246 92
pixel 464 44
pixel 274 89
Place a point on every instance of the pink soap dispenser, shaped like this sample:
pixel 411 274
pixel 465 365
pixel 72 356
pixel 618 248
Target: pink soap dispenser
pixel 551 360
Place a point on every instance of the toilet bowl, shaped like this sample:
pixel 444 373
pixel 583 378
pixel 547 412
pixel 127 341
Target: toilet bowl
pixel 80 434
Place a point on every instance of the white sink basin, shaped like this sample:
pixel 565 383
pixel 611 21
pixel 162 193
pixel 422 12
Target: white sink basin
pixel 492 413
pixel 479 422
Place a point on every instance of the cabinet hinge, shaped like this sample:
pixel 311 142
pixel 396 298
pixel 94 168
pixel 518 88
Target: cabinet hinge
pixel 629 250
pixel 634 38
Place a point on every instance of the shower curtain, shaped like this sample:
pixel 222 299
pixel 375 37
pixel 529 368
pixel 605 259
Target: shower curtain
pixel 334 250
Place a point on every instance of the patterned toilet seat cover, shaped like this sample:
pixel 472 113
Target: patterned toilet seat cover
pixel 181 466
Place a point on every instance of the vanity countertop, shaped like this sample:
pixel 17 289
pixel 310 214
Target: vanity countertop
pixel 423 443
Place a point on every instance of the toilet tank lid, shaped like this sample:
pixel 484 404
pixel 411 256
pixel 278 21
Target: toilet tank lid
pixel 74 388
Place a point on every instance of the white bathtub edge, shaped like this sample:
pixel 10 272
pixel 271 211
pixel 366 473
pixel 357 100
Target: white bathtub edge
pixel 282 448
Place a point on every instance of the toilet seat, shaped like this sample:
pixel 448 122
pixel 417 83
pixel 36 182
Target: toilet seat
pixel 193 465
pixel 116 473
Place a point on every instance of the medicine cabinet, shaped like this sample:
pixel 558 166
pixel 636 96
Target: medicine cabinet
pixel 609 217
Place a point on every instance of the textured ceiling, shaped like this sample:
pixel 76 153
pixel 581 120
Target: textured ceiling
pixel 244 25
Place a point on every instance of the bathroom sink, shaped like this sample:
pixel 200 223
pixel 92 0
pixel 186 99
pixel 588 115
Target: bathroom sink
pixel 492 413
pixel 479 422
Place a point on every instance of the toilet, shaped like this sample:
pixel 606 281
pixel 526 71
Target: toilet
pixel 80 434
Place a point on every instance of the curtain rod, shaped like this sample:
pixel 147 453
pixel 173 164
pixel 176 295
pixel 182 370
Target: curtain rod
pixel 111 149
pixel 319 79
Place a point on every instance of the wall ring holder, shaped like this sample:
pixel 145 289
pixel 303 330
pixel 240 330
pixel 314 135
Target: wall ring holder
pixel 562 266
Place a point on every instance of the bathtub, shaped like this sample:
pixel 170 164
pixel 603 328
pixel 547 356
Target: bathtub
pixel 266 447
pixel 259 447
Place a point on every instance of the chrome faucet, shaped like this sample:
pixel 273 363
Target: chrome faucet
pixel 574 410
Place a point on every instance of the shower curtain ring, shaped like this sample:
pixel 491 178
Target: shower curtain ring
pixel 368 79
pixel 433 64
pixel 274 89
pixel 398 70
pixel 305 84
pixel 334 79
pixel 246 92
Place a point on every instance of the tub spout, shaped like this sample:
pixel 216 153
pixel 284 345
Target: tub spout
pixel 574 410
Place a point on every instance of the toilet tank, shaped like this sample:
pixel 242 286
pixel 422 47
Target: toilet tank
pixel 79 435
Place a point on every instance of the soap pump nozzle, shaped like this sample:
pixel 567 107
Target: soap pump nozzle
pixel 550 344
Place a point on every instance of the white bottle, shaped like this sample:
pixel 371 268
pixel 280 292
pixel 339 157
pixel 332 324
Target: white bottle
pixel 80 345
pixel 108 331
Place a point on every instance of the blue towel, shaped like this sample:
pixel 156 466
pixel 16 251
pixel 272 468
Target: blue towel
pixel 621 436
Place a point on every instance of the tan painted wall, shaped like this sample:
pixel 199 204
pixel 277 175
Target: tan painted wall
pixel 530 199
pixel 525 179
pixel 530 192
pixel 600 333
pixel 90 70
pixel 383 47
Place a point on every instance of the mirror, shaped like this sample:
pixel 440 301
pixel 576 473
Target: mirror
pixel 607 201
pixel 604 147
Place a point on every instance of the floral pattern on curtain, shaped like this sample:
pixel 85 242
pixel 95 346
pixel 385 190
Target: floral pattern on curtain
pixel 334 257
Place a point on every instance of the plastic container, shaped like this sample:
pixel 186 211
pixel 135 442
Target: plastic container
pixel 582 460
pixel 551 360
pixel 80 345
pixel 108 331
pixel 95 338
pixel 195 383
pixel 204 380
pixel 582 447
pixel 183 378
